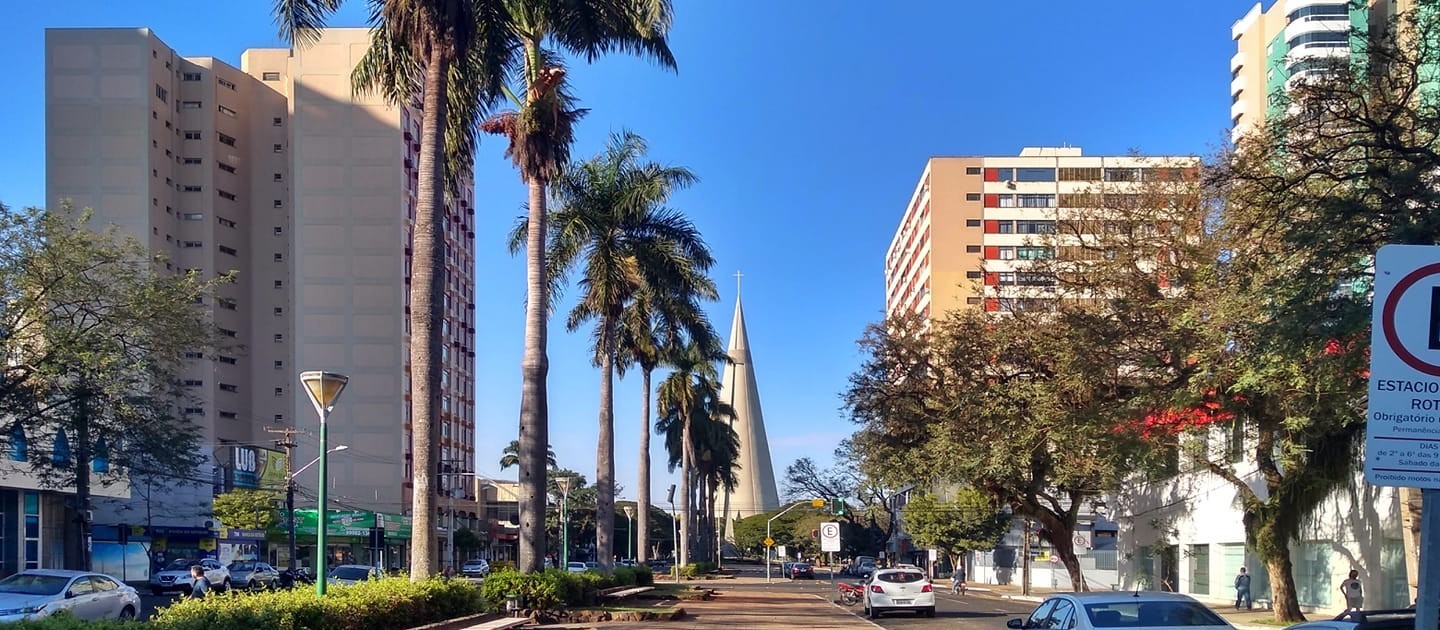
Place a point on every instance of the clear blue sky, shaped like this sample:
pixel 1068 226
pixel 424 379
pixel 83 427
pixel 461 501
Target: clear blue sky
pixel 808 121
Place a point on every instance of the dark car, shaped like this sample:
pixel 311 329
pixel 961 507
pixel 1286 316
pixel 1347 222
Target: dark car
pixel 801 570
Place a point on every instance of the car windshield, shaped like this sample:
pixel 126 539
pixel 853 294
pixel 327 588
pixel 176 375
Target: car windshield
pixel 1151 613
pixel 474 563
pixel 242 566
pixel 32 584
pixel 901 577
pixel 351 573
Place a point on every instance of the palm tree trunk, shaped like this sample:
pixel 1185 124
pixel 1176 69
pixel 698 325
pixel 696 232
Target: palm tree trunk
pixel 534 411
pixel 427 296
pixel 605 457
pixel 686 463
pixel 642 500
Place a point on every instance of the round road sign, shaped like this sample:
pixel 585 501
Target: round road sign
pixel 1387 320
pixel 830 530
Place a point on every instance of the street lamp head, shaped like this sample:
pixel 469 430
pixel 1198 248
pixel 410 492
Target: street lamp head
pixel 629 511
pixel 324 388
pixel 565 483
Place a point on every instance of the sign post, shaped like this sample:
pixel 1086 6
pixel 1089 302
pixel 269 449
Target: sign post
pixel 830 541
pixel 1402 434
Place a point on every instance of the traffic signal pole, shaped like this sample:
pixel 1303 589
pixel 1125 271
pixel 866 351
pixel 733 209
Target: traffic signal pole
pixel 770 542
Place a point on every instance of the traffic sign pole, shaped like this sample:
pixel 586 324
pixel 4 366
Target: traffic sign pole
pixel 1427 605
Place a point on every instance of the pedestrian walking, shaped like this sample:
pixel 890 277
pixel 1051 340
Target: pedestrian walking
pixel 1242 590
pixel 1354 595
pixel 200 585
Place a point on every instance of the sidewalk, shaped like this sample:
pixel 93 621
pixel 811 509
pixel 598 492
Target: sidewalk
pixel 1257 619
pixel 744 603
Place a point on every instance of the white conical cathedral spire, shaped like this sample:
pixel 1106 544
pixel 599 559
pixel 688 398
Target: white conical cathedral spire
pixel 755 493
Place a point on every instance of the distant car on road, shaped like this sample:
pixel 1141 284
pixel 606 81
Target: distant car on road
pixel 800 570
pixel 39 593
pixel 889 590
pixel 477 568
pixel 349 574
pixel 176 576
pixel 576 567
pixel 1120 609
pixel 251 575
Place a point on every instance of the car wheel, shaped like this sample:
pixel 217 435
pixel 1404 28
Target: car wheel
pixel 127 613
pixel 250 585
pixel 929 612
pixel 873 613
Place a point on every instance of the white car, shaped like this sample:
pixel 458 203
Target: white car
pixel 39 593
pixel 1120 609
pixel 349 574
pixel 576 567
pixel 1401 619
pixel 889 590
pixel 176 576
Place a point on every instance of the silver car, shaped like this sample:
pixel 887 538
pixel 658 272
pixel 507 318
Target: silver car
pixel 1120 609
pixel 176 576
pixel 251 575
pixel 39 593
pixel 349 574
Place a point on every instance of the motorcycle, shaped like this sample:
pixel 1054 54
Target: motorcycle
pixel 291 578
pixel 850 594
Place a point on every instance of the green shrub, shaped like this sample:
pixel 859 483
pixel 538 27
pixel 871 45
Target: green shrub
pixel 644 576
pixel 697 569
pixel 386 604
pixel 624 576
pixel 547 590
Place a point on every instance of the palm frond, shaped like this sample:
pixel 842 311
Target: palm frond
pixel 301 21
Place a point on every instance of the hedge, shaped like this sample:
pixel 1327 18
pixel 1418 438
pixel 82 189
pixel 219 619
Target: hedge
pixel 385 604
pixel 549 590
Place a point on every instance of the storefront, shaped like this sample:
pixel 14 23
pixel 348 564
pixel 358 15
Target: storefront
pixel 349 538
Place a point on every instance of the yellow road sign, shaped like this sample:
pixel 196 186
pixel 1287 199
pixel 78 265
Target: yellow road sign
pixel 769 542
pixel 819 503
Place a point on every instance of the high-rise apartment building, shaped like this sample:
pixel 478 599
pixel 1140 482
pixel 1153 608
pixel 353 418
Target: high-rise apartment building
pixel 974 222
pixel 1291 40
pixel 279 173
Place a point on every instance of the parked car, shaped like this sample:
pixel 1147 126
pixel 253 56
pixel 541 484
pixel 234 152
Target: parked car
pixel 477 568
pixel 176 576
pixel 251 575
pixel 1402 619
pixel 39 593
pixel 889 590
pixel 853 568
pixel 800 570
pixel 576 567
pixel 865 570
pixel 1120 609
pixel 349 574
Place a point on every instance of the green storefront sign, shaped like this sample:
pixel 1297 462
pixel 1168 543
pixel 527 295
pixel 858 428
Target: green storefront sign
pixel 352 523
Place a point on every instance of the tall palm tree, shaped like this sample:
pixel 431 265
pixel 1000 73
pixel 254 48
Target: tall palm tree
pixel 689 393
pixel 717 450
pixel 510 456
pixel 451 57
pixel 655 324
pixel 612 224
pixel 540 132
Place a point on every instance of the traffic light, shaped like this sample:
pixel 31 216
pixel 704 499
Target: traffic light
pixel 838 507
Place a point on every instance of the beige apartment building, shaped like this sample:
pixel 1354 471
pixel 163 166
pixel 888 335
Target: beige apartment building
pixel 1291 40
pixel 277 173
pixel 972 224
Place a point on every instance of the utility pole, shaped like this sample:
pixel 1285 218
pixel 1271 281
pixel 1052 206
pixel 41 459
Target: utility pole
pixel 288 443
pixel 1025 558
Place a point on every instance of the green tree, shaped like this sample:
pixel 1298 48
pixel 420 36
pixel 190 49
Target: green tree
pixel 612 226
pixel 511 456
pixel 95 338
pixel 689 395
pixel 468 540
pixel 968 522
pixel 247 509
pixel 540 132
pixel 452 57
pixel 1347 164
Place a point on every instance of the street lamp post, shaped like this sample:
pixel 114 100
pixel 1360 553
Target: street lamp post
pixel 564 483
pixel 290 506
pixel 630 529
pixel 675 523
pixel 324 389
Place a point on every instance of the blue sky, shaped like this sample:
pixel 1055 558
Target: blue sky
pixel 808 122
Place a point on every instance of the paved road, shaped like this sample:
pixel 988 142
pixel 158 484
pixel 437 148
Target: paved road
pixel 969 612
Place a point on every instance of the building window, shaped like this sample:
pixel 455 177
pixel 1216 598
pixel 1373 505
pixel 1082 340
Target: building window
pixel 278 204
pixel 278 148
pixel 972 170
pixel 225 140
pixel 1080 174
pixel 195 411
pixel 972 249
pixel 279 230
pixel 279 257
pixel 225 222
pixel 189 104
pixel 973 301
pixel 162 94
pixel 225 167
pixel 278 177
pixel 279 365
pixel 1034 174
pixel 226 387
pixel 189 188
pixel 192 354
pixel 227 332
pixel 276 121
pixel 192 160
pixel 279 311
pixel 972 222
pixel 192 135
pixel 192 382
pixel 192 244
pixel 279 417
pixel 227 304
pixel 225 83
pixel 279 284
pixel 974 275
pixel 228 415
pixel 190 76
pixel 972 196
pixel 193 216
pixel 1200 569
pixel 227 250
pixel 279 338
pixel 227 111
pixel 228 196
pixel 227 360
pixel 279 392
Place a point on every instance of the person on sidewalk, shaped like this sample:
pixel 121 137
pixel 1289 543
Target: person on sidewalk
pixel 1354 595
pixel 1242 590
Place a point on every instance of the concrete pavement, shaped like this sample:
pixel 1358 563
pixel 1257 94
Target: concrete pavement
pixel 746 602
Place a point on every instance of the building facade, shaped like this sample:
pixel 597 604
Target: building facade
pixel 972 224
pixel 280 175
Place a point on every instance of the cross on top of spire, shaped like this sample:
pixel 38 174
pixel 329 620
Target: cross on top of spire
pixel 738 276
